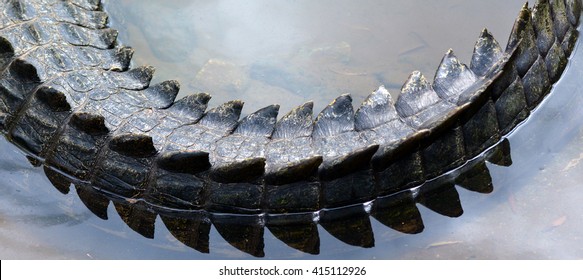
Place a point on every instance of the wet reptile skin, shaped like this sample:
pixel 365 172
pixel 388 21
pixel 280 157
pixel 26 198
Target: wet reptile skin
pixel 69 99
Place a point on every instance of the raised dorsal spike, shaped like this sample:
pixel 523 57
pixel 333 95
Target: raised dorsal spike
pixel 191 107
pixel 297 123
pixel 452 77
pixel 239 171
pixel 224 117
pixel 416 95
pixel 523 41
pixel 163 94
pixel 133 145
pixel 140 75
pixel 520 25
pixel 375 110
pixel 143 73
pixel 54 99
pixel 416 82
pixel 92 124
pixel 336 118
pixel 260 123
pixel 487 52
pixel 124 55
pixel 191 162
pixel 108 36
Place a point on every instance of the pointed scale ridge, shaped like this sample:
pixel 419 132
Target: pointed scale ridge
pixel 452 77
pixel 336 118
pixel 487 52
pixel 224 117
pixel 416 95
pixel 137 78
pixel 297 123
pixel 162 95
pixel 191 107
pixel 523 39
pixel 312 167
pixel 260 123
pixel 124 56
pixel 375 110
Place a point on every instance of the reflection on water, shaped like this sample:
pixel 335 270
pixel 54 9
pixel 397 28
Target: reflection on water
pixel 531 210
pixel 350 225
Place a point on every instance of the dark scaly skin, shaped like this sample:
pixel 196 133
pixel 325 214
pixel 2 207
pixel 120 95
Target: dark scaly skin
pixel 69 99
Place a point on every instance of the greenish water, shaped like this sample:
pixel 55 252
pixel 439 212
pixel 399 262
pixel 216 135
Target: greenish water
pixel 267 52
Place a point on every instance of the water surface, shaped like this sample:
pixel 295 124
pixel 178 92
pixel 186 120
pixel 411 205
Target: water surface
pixel 266 52
pixel 289 52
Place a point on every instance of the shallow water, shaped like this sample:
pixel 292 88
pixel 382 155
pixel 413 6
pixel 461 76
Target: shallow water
pixel 289 52
pixel 316 51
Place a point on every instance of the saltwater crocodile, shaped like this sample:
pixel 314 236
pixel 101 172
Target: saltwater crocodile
pixel 69 99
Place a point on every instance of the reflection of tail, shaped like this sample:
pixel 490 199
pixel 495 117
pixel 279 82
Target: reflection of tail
pixel 350 224
pixel 69 99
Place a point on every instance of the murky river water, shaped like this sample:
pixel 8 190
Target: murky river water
pixel 265 52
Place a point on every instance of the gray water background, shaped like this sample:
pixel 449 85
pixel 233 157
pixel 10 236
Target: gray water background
pixel 266 52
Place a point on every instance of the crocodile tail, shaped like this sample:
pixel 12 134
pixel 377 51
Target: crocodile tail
pixel 69 98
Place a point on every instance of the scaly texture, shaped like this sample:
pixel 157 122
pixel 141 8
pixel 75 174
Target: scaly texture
pixel 69 99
